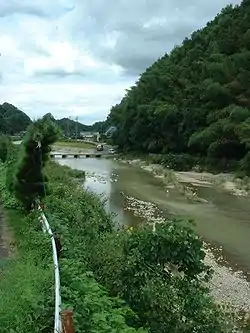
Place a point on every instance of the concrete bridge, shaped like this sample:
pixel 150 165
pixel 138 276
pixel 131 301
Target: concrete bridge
pixel 55 155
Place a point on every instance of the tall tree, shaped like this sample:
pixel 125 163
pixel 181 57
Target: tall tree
pixel 196 100
pixel 29 180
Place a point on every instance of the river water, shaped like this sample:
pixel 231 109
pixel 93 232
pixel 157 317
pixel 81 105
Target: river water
pixel 135 195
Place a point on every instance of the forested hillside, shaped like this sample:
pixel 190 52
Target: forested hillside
pixel 12 120
pixel 69 126
pixel 196 100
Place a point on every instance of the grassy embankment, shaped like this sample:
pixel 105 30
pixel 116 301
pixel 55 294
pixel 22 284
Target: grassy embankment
pixel 109 290
pixel 174 172
pixel 26 284
pixel 75 144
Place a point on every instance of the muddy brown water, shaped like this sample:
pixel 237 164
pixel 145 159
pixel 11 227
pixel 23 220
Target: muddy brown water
pixel 131 192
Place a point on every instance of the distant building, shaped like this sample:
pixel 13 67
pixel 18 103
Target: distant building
pixel 90 136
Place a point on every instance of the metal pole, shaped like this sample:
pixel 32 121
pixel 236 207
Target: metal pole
pixel 76 127
pixel 69 126
pixel 46 228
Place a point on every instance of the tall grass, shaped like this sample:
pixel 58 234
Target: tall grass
pixel 26 281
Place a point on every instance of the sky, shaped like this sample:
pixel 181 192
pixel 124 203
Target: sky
pixel 77 57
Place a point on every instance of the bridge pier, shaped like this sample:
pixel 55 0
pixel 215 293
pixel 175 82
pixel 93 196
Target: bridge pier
pixel 75 155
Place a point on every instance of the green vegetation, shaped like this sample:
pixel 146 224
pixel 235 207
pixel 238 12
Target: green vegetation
pixel 29 182
pixel 70 126
pixel 195 102
pixel 26 282
pixel 75 144
pixel 135 271
pixel 12 120
pixel 133 280
pixel 15 122
pixel 4 145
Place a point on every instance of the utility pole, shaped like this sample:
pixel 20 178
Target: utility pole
pixel 69 126
pixel 76 128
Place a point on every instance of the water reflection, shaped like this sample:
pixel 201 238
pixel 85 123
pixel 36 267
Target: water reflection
pixel 103 178
pixel 223 220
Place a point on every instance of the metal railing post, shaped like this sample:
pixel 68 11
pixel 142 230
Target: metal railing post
pixel 67 321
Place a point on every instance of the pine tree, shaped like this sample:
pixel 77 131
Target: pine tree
pixel 29 181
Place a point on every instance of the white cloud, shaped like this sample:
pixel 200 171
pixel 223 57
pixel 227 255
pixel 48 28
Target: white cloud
pixel 62 56
pixel 73 57
pixel 86 100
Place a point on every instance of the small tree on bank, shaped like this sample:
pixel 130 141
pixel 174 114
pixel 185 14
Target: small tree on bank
pixel 29 180
pixel 4 147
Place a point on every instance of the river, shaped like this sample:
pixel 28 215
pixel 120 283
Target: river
pixel 134 195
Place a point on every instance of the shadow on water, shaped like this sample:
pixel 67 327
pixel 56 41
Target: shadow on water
pixel 223 220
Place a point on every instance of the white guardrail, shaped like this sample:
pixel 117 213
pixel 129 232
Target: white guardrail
pixel 46 228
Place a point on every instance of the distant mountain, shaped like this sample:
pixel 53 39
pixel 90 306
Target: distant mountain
pixel 99 126
pixel 12 120
pixel 69 126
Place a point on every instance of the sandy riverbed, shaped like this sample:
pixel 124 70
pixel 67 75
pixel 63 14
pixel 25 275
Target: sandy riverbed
pixel 225 181
pixel 228 285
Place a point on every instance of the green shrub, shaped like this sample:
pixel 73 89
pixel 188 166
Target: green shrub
pixel 179 162
pixel 29 181
pixel 80 220
pixel 245 164
pixel 94 310
pixel 131 264
pixel 5 146
pixel 27 280
pixel 172 300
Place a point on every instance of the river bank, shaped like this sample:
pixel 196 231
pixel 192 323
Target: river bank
pixel 225 181
pixel 229 284
pixel 110 266
pixel 26 280
pixel 122 181
pixel 138 294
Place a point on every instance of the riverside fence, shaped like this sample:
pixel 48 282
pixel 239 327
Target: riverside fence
pixel 63 320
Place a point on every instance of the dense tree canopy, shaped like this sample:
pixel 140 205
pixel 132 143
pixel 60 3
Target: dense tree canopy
pixel 70 127
pixel 196 100
pixel 12 120
pixel 28 179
